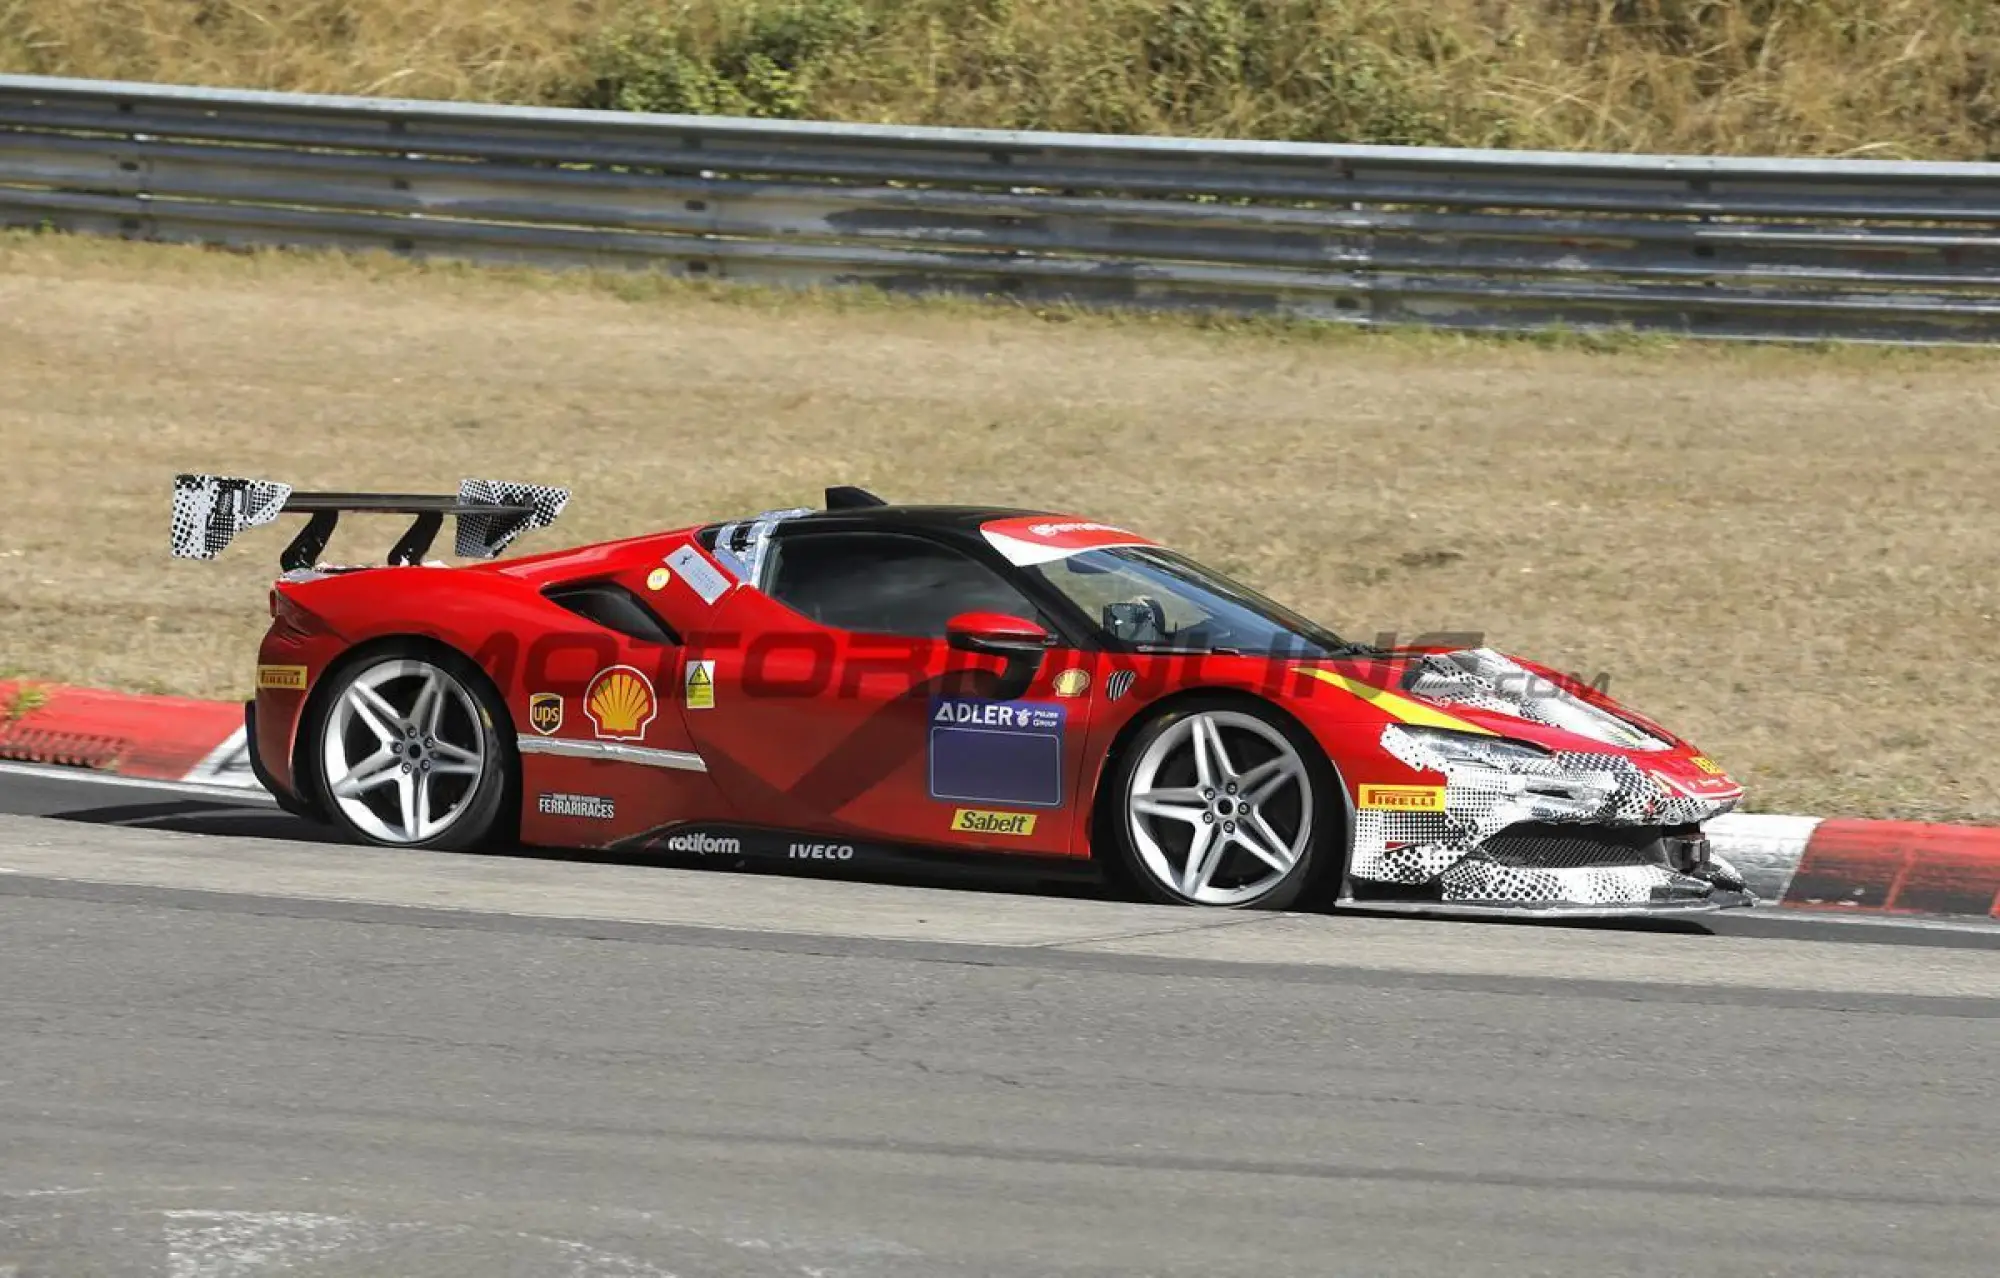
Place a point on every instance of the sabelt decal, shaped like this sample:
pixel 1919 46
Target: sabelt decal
pixel 700 685
pixel 1403 798
pixel 974 821
pixel 1398 707
pixel 282 678
pixel 545 712
pixel 1006 752
pixel 620 703
pixel 1071 683
pixel 593 806
pixel 701 575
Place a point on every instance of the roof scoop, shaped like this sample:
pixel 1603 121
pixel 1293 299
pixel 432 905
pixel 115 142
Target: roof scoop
pixel 844 497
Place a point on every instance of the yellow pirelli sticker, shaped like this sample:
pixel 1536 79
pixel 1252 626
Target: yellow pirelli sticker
pixel 1706 764
pixel 1403 798
pixel 283 678
pixel 974 821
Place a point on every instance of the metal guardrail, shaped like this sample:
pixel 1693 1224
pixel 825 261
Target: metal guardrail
pixel 1788 249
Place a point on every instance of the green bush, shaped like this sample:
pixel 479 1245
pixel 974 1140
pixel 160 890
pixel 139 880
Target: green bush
pixel 762 62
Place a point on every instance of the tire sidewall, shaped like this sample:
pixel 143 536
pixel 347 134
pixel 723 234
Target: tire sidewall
pixel 483 816
pixel 1328 806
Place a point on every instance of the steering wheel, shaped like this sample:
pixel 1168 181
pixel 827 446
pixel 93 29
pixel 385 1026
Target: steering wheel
pixel 1138 620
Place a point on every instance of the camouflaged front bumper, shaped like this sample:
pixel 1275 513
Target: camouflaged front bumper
pixel 1545 832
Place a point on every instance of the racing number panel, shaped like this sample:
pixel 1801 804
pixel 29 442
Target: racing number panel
pixel 812 727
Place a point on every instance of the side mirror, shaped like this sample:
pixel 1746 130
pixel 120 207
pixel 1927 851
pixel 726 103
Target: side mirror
pixel 995 634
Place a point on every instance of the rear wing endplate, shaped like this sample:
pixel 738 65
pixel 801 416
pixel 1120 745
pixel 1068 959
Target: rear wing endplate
pixel 209 510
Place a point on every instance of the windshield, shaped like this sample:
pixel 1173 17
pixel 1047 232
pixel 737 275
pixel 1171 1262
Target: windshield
pixel 1148 599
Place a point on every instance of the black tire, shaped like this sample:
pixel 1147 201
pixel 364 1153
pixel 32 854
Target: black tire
pixel 340 741
pixel 1302 818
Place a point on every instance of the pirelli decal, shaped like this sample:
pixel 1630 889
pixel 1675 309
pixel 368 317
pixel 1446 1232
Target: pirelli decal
pixel 1403 798
pixel 283 678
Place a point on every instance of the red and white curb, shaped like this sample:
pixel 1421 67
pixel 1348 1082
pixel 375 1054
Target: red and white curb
pixel 161 738
pixel 1834 866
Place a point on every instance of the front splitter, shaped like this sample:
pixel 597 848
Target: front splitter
pixel 1474 910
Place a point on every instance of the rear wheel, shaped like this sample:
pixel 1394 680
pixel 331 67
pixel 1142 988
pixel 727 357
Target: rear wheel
pixel 408 752
pixel 1223 803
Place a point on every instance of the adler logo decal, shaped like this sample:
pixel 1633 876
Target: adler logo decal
pixel 1003 753
pixel 973 821
pixel 1403 798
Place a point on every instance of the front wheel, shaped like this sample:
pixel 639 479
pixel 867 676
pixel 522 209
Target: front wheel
pixel 1223 803
pixel 408 753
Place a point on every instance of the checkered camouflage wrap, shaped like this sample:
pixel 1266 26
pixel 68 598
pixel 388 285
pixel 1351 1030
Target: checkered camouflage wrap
pixel 209 510
pixel 1490 786
pixel 484 536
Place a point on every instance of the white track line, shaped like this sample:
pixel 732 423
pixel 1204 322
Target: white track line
pixel 88 777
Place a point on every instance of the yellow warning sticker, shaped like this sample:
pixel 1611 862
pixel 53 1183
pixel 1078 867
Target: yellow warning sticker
pixel 701 685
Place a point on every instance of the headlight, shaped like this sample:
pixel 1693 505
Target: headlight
pixel 1438 748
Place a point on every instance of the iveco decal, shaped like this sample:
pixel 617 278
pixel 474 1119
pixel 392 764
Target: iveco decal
pixel 822 852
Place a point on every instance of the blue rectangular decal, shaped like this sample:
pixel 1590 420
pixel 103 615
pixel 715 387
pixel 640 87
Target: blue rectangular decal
pixel 1006 752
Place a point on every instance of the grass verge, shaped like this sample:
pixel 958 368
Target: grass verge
pixel 1917 78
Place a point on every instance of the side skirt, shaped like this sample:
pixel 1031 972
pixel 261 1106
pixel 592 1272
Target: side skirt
pixel 796 851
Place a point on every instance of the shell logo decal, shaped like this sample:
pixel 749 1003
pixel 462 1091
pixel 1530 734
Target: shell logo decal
pixel 620 703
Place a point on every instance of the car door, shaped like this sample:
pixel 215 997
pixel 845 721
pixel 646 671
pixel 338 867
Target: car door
pixel 831 703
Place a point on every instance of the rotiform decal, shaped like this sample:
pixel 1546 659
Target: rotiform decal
pixel 705 844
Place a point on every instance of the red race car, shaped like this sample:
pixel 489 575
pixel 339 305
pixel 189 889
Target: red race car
pixel 870 683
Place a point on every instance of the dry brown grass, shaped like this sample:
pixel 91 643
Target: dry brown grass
pixel 491 50
pixel 1841 77
pixel 1789 554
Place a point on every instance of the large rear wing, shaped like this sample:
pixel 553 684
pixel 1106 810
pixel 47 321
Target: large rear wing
pixel 209 510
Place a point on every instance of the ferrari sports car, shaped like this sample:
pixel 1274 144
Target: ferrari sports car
pixel 875 684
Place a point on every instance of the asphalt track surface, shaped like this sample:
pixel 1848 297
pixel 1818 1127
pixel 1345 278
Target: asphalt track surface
pixel 225 1052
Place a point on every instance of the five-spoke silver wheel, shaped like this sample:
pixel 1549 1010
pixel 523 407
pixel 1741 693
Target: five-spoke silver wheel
pixel 404 750
pixel 1219 808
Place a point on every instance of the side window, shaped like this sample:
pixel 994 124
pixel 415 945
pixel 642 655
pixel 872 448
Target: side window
pixel 886 583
